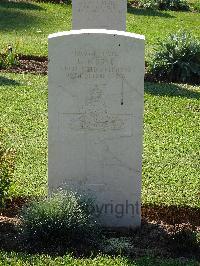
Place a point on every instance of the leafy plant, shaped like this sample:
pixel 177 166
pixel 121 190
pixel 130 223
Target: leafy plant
pixel 195 5
pixel 177 59
pixel 148 4
pixel 173 5
pixel 60 220
pixel 9 58
pixel 162 4
pixel 6 172
pixel 183 239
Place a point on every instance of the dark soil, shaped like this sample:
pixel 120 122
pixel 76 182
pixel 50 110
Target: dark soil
pixel 134 3
pixel 165 232
pixel 29 64
pixel 39 65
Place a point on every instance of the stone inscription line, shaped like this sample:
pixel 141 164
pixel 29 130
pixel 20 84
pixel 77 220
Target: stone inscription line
pixel 91 64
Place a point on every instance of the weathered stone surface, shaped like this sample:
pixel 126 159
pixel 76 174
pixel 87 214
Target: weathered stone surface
pixel 96 86
pixel 99 14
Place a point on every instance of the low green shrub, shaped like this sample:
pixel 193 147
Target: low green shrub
pixel 62 220
pixel 184 239
pixel 6 172
pixel 177 59
pixel 9 58
pixel 174 5
pixel 162 4
pixel 195 5
pixel 148 4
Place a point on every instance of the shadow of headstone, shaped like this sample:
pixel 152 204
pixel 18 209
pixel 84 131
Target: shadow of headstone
pixel 148 12
pixel 171 90
pixel 20 5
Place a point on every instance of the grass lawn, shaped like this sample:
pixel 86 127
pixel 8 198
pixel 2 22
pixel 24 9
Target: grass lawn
pixel 27 25
pixel 20 259
pixel 23 117
pixel 171 159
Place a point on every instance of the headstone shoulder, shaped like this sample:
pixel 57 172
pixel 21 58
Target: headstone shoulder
pixel 97 31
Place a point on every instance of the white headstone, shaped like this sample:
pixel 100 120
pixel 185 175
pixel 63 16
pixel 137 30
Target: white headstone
pixel 99 14
pixel 96 86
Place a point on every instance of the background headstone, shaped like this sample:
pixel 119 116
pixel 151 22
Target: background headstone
pixel 99 14
pixel 96 86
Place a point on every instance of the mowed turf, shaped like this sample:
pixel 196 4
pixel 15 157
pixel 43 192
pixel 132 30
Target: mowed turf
pixel 26 26
pixel 171 159
pixel 23 118
pixel 21 259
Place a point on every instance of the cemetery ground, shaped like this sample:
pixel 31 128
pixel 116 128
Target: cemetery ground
pixel 171 187
pixel 27 25
pixel 173 150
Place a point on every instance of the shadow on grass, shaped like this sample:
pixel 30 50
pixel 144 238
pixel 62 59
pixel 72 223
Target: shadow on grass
pixel 20 5
pixel 171 90
pixel 148 12
pixel 8 82
pixel 152 238
pixel 166 231
pixel 14 17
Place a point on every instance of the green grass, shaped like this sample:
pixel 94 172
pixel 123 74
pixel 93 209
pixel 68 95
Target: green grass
pixel 27 25
pixel 171 159
pixel 21 259
pixel 23 117
pixel 159 24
